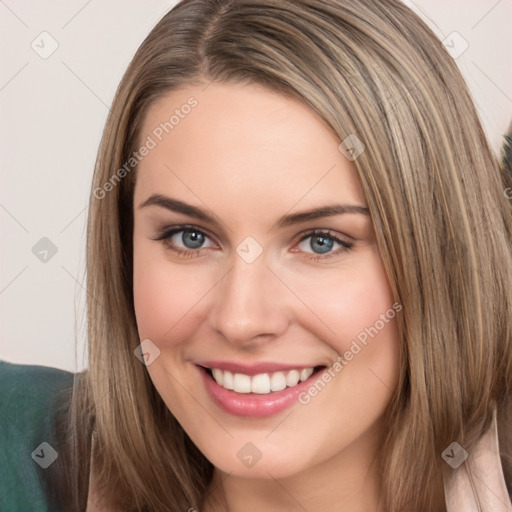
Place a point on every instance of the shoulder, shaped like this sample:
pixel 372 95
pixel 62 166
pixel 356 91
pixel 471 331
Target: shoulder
pixel 30 380
pixel 27 392
pixel 29 397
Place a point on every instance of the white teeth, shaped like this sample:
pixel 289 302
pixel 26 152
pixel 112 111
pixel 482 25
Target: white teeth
pixel 305 373
pixel 261 384
pixel 217 374
pixel 292 378
pixel 227 380
pixel 278 381
pixel 241 383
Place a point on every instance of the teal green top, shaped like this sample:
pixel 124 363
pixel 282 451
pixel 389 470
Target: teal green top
pixel 28 400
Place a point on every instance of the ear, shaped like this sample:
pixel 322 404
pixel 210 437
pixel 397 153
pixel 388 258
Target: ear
pixel 480 474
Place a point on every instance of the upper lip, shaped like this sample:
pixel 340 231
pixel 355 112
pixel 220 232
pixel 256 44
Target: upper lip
pixel 254 368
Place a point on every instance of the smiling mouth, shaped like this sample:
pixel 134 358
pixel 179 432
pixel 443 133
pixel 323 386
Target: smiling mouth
pixel 262 383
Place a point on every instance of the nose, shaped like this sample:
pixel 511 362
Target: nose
pixel 249 306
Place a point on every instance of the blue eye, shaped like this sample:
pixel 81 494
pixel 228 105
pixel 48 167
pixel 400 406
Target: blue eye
pixel 189 241
pixel 184 240
pixel 321 243
pixel 192 239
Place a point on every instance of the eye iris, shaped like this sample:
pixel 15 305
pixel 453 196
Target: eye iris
pixel 192 239
pixel 324 243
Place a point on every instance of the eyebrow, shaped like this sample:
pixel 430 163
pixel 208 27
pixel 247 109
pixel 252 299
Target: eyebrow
pixel 287 220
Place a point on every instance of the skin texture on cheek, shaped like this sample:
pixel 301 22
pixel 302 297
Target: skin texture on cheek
pixel 283 306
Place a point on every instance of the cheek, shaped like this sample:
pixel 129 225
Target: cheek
pixel 350 303
pixel 164 293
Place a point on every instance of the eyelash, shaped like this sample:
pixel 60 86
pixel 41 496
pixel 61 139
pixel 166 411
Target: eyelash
pixel 165 235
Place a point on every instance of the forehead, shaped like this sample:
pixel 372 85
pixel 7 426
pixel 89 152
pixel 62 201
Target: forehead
pixel 232 140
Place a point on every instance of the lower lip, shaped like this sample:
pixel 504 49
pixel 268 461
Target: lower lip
pixel 252 404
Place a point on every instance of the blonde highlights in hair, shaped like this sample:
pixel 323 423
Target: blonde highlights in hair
pixel 435 194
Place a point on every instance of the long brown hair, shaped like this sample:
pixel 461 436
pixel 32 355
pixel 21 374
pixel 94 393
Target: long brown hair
pixel 436 197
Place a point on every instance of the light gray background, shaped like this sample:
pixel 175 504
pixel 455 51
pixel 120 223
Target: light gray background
pixel 52 113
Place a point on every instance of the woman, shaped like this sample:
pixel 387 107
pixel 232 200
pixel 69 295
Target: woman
pixel 299 273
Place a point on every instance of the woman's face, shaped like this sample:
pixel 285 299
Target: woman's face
pixel 256 264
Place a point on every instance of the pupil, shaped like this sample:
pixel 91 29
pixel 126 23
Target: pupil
pixel 324 243
pixel 192 239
